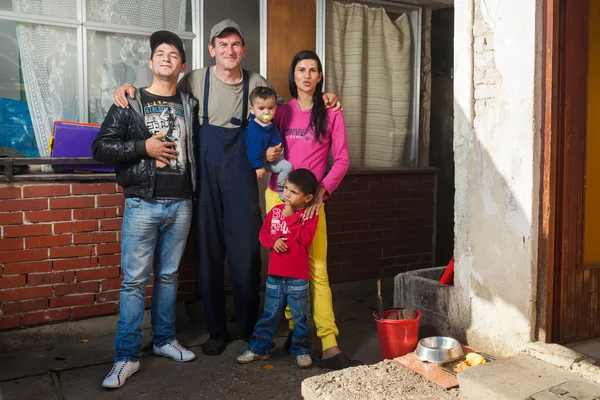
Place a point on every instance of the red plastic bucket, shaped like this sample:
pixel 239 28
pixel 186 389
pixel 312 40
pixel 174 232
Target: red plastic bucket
pixel 397 337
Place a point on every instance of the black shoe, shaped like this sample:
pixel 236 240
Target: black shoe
pixel 215 344
pixel 288 342
pixel 337 362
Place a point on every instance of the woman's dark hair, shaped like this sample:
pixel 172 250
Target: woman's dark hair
pixel 304 179
pixel 318 114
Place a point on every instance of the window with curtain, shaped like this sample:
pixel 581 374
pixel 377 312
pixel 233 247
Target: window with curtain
pixel 58 67
pixel 370 58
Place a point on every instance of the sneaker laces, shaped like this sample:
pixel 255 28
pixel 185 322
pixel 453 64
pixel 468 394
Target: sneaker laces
pixel 178 346
pixel 120 365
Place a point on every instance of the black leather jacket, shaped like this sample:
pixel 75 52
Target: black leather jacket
pixel 122 141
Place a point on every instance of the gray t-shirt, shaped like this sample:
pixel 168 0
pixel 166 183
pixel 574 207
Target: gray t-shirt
pixel 224 97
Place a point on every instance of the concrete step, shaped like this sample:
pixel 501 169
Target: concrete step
pixel 524 378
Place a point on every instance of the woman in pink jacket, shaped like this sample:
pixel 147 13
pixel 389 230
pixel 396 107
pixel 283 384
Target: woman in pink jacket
pixel 309 132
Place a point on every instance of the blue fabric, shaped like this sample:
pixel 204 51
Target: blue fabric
pixel 281 291
pixel 229 222
pixel 258 139
pixel 154 232
pixel 16 128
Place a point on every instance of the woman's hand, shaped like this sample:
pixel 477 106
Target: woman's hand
pixel 280 245
pixel 315 203
pixel 274 152
pixel 331 101
pixel 120 95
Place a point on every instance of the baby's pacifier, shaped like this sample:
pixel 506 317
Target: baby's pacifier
pixel 266 117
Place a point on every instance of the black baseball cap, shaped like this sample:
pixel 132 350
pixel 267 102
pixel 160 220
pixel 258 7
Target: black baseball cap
pixel 167 37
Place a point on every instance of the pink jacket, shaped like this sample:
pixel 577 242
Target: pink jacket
pixel 303 151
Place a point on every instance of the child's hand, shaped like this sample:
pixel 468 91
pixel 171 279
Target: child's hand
pixel 288 211
pixel 260 172
pixel 280 245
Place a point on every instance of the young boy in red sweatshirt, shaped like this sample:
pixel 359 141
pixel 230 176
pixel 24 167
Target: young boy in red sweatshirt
pixel 289 235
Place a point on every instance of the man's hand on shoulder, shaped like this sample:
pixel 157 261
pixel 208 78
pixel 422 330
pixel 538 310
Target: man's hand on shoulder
pixel 331 101
pixel 120 95
pixel 159 150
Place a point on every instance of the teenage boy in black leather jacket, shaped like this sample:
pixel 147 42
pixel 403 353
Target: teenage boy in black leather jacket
pixel 159 181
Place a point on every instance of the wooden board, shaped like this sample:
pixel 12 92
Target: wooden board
pixel 430 370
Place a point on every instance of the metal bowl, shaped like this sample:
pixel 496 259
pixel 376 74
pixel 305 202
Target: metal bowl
pixel 438 349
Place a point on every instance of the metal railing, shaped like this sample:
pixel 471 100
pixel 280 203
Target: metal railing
pixel 7 170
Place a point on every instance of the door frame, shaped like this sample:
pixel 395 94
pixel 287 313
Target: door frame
pixel 562 192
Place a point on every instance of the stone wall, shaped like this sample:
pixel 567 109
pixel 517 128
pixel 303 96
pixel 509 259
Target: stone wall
pixel 496 147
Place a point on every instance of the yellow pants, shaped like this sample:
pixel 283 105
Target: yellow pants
pixel 320 292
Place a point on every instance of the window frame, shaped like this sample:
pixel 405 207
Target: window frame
pixel 82 26
pixel 416 21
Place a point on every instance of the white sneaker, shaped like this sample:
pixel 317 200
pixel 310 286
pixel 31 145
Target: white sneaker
pixel 119 373
pixel 248 356
pixel 175 351
pixel 304 361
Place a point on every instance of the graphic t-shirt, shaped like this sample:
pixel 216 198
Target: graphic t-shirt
pixel 166 115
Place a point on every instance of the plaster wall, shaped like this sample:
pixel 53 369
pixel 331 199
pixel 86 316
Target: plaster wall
pixel 497 153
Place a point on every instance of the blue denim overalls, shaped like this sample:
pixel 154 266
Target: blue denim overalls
pixel 229 220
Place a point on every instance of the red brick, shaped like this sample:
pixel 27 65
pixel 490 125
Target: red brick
pixel 23 255
pixel 112 284
pixel 93 188
pixel 98 273
pixel 106 261
pixel 111 200
pixel 46 316
pixel 80 226
pixel 94 213
pixel 12 281
pixel 49 279
pixel 46 191
pixel 72 202
pixel 96 309
pixel 96 237
pixel 23 205
pixel 108 297
pixel 12 218
pixel 353 187
pixel 415 183
pixel 11 244
pixel 382 186
pixel 149 289
pixel 47 241
pixel 71 251
pixel 10 322
pixel 355 206
pixel 76 288
pixel 75 263
pixel 120 211
pixel 28 267
pixel 111 224
pixel 10 193
pixel 382 205
pixel 69 301
pixel 24 306
pixel 421 194
pixel 110 248
pixel 28 293
pixel 148 301
pixel 28 230
pixel 48 215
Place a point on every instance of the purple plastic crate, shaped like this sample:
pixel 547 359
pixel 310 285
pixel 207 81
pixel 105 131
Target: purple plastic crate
pixel 72 139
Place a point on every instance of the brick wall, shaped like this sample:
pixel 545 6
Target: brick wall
pixel 60 243
pixel 60 253
pixel 381 223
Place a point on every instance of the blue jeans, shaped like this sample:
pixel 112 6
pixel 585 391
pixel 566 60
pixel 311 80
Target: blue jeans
pixel 281 291
pixel 154 232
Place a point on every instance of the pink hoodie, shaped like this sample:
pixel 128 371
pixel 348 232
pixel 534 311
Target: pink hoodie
pixel 303 151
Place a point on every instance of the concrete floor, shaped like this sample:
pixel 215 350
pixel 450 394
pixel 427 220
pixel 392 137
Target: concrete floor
pixel 589 347
pixel 74 370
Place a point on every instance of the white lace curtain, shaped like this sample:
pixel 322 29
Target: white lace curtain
pixel 49 56
pixel 369 66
